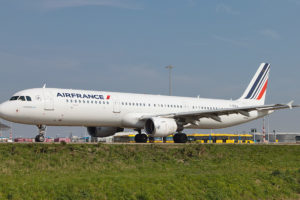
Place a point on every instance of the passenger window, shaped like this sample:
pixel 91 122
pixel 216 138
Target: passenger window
pixel 22 98
pixel 28 98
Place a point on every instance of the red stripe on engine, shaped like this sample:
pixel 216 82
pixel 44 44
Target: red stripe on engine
pixel 263 91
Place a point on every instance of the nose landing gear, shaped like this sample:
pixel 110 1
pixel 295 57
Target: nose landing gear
pixel 41 136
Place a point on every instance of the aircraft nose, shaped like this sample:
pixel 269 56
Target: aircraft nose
pixel 4 110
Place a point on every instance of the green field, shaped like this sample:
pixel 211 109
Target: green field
pixel 87 171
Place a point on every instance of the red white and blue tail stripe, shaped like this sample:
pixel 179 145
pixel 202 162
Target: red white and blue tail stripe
pixel 258 86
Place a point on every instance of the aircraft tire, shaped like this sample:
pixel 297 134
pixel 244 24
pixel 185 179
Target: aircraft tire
pixel 39 138
pixel 141 138
pixel 180 138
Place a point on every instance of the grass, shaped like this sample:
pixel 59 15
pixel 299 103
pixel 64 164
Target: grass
pixel 87 171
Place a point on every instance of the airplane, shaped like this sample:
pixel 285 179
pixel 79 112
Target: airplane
pixel 106 113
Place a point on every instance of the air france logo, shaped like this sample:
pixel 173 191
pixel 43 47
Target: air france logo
pixel 83 96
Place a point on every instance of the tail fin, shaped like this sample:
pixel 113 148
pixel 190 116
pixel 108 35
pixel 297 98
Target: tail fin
pixel 257 89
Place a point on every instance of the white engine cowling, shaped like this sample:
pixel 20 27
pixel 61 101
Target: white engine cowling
pixel 103 131
pixel 160 127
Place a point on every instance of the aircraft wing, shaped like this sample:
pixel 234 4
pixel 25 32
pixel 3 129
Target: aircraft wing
pixel 215 114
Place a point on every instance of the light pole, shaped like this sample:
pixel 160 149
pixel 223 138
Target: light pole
pixel 268 128
pixel 264 131
pixel 170 67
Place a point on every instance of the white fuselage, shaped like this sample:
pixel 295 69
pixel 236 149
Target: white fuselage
pixel 65 107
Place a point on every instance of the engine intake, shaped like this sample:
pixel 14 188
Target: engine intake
pixel 160 127
pixel 103 131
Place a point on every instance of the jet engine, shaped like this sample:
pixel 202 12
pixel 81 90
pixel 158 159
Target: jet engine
pixel 103 131
pixel 160 127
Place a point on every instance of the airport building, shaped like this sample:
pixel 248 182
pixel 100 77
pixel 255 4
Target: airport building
pixel 280 137
pixel 4 128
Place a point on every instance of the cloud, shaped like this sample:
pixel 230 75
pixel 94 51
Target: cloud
pixel 223 8
pixel 295 1
pixel 191 3
pixel 235 42
pixel 271 34
pixel 19 62
pixel 57 4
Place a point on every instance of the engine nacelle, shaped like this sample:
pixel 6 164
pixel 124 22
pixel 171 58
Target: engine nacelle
pixel 103 131
pixel 160 127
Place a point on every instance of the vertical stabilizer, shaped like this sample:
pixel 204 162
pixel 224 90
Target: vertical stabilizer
pixel 257 89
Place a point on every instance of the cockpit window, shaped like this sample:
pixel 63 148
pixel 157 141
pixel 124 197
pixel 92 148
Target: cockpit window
pixel 14 98
pixel 22 98
pixel 28 98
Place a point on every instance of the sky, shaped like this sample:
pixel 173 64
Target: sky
pixel 124 45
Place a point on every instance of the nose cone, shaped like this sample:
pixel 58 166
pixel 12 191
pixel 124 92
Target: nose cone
pixel 5 111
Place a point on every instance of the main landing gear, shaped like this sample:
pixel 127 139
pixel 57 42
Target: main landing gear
pixel 140 138
pixel 180 138
pixel 41 136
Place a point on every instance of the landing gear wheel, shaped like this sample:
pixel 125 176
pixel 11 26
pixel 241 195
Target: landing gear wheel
pixel 40 138
pixel 180 138
pixel 141 138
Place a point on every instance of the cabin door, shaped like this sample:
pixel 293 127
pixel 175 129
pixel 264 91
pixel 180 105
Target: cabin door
pixel 116 105
pixel 48 101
